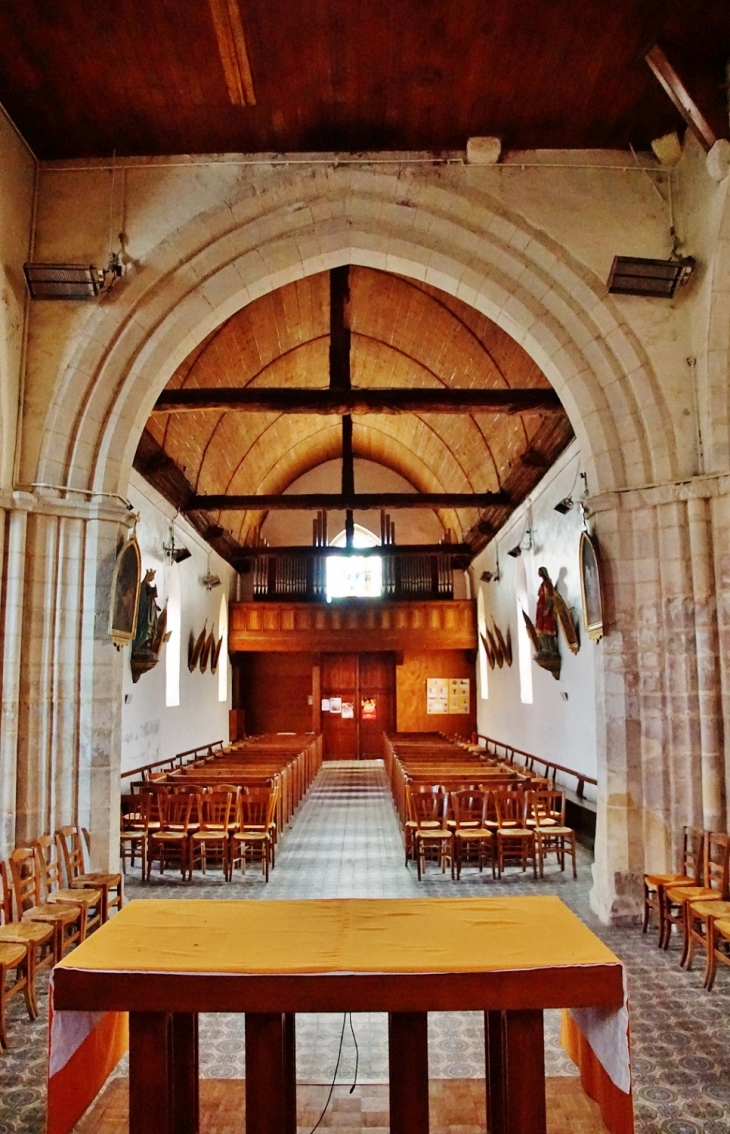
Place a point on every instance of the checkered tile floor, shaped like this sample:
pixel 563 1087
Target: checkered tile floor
pixel 345 842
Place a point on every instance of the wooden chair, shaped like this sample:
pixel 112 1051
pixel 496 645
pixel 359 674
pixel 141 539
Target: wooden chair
pixel 71 847
pixel 37 936
pixel 251 840
pixel 689 874
pixel 546 817
pixel 515 840
pixel 718 936
pixel 64 919
pixel 430 810
pixel 13 957
pixel 218 809
pixel 49 867
pixel 134 829
pixel 714 888
pixel 697 929
pixel 179 811
pixel 469 830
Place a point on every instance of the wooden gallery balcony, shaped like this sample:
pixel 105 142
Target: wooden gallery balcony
pixel 352 625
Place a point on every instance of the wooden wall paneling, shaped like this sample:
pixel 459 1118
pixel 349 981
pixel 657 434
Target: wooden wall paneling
pixel 363 626
pixel 275 691
pixel 411 679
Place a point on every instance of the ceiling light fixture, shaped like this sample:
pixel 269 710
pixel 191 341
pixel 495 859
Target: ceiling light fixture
pixel 563 506
pixel 175 553
pixel 210 581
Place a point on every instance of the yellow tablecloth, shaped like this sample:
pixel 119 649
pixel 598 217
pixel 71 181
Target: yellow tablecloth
pixel 451 935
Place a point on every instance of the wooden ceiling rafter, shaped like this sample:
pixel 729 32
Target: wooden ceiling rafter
pixel 345 501
pixel 228 27
pixel 680 97
pixel 385 400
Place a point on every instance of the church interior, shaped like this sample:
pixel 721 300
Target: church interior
pixel 364 551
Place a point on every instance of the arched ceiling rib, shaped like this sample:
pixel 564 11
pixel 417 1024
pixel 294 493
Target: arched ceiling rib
pixel 404 334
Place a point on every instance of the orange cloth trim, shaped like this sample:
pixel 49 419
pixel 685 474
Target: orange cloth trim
pixel 72 1090
pixel 450 935
pixel 617 1108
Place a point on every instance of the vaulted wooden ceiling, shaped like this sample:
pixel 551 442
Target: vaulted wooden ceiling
pixel 200 76
pixel 404 334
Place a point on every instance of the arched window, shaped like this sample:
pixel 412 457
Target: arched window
pixel 172 649
pixel 524 645
pixel 223 656
pixel 355 576
pixel 482 628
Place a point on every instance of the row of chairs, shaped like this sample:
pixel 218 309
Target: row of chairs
pixel 485 826
pixel 190 825
pixel 695 900
pixel 49 902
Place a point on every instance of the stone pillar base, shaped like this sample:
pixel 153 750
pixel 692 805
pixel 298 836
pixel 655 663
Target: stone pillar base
pixel 618 900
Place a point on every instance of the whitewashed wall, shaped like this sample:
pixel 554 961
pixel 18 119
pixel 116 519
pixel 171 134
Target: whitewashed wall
pixel 560 724
pixel 150 729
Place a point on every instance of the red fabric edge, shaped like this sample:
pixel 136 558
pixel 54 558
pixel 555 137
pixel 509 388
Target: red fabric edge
pixel 617 1108
pixel 72 1090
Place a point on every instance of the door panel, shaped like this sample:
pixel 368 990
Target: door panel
pixel 339 679
pixel 377 684
pixel 357 678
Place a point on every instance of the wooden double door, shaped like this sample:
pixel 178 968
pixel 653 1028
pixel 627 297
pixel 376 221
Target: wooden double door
pixel 364 686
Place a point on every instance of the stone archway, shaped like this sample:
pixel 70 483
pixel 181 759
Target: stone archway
pixel 463 243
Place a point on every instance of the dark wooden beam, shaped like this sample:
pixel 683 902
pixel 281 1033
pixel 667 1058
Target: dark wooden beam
pixel 390 550
pixel 680 97
pixel 152 462
pixel 343 401
pixel 339 356
pixel 359 501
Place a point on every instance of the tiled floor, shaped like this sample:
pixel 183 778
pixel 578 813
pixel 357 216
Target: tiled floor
pixel 345 842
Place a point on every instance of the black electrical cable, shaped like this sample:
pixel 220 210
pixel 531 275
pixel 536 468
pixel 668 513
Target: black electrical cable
pixel 334 1077
pixel 357 1053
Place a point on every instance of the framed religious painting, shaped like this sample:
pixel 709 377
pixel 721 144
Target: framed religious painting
pixel 125 593
pixel 590 588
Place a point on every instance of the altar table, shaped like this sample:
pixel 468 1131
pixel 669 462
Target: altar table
pixel 166 961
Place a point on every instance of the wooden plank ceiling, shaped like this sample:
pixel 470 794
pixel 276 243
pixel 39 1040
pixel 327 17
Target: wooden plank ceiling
pixel 203 76
pixel 404 334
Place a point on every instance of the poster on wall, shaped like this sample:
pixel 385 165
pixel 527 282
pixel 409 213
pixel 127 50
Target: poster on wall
pixel 459 694
pixel 335 704
pixel 325 704
pixel 437 695
pixel 348 711
pixel 368 709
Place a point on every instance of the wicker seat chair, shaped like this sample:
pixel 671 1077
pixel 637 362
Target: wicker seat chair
pixel 65 919
pixel 689 874
pixel 71 848
pixel 49 867
pixel 37 936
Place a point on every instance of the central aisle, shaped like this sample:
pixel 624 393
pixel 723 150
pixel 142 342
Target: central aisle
pixel 345 841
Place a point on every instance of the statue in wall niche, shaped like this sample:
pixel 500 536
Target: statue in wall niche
pixel 151 630
pixel 551 614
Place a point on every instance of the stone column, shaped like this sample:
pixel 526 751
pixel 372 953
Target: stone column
pixel 14 530
pixel 709 682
